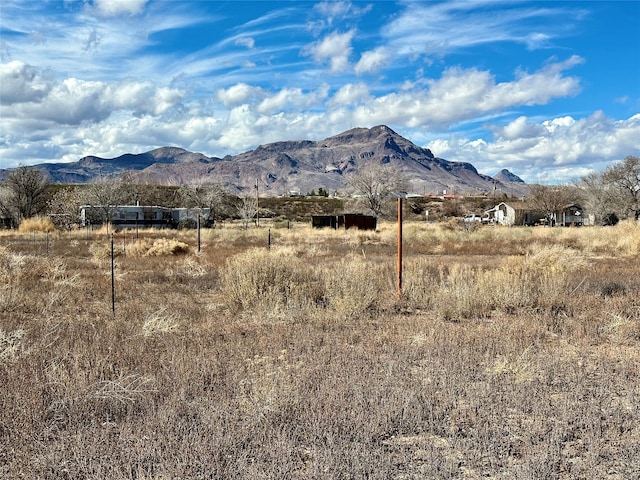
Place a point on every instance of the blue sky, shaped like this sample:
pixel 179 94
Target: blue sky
pixel 549 90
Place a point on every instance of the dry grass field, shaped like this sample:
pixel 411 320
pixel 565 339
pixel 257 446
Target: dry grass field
pixel 513 353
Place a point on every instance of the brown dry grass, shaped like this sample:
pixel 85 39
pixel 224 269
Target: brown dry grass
pixel 36 224
pixel 513 353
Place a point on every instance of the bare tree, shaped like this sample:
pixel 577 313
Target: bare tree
pixel 132 190
pixel 597 197
pixel 214 197
pixel 551 199
pixel 64 207
pixel 6 215
pixel 104 195
pixel 26 193
pixel 373 185
pixel 624 177
pixel 247 209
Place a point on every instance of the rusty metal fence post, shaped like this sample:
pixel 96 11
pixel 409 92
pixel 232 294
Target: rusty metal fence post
pixel 113 280
pixel 399 248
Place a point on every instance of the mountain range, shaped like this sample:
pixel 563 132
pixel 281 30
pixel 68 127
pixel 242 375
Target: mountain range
pixel 298 165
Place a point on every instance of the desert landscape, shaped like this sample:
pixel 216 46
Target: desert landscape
pixel 512 353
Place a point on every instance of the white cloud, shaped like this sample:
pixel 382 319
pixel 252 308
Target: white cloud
pixel 519 128
pixel 537 88
pixel 33 97
pixel 292 98
pixel 437 28
pixel 351 94
pixel 542 150
pixel 120 113
pixel 551 125
pixel 372 60
pixel 245 42
pixel 111 8
pixel 465 94
pixel 69 102
pixel 142 98
pixel 551 151
pixel 334 48
pixel 331 12
pixel 20 83
pixel 238 94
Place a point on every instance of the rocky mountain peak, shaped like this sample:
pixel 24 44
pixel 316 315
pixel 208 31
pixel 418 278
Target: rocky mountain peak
pixel 505 175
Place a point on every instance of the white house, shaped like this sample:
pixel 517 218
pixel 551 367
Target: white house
pixel 502 214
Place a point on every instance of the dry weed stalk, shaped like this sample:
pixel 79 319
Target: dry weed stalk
pixel 124 389
pixel 160 322
pixel 11 344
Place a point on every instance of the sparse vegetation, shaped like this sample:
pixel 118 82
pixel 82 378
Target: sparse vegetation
pixel 512 353
pixel 36 224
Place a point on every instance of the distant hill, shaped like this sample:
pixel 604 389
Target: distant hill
pixel 505 175
pixel 302 165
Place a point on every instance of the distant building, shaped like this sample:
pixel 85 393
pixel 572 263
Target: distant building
pixel 571 215
pixel 502 214
pixel 505 214
pixel 346 220
pixel 145 216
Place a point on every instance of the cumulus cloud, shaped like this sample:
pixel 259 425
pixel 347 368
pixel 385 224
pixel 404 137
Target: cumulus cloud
pixel 247 115
pixel 111 8
pixel 20 83
pixel 550 151
pixel 372 61
pixel 519 128
pixel 142 98
pixel 33 96
pixel 238 94
pixel 464 94
pixel 539 150
pixel 292 98
pixel 334 48
pixel 350 94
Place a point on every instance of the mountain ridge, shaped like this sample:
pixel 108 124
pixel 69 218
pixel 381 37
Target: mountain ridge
pixel 303 165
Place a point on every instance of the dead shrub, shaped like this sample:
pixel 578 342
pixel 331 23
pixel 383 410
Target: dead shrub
pixel 165 246
pixel 420 282
pixel 141 248
pixel 102 250
pixel 20 275
pixel 456 291
pixel 460 293
pixel 354 286
pixel 36 224
pixel 268 280
pixel 539 279
pixel 160 322
pixel 627 234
